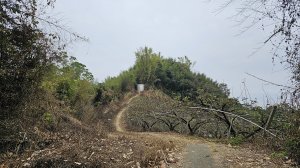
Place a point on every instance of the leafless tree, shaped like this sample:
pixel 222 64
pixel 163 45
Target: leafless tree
pixel 282 17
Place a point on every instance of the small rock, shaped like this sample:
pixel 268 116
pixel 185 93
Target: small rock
pixel 250 160
pixel 162 164
pixel 26 165
pixel 35 153
pixel 77 163
pixel 172 154
pixel 288 161
pixel 91 155
pixel 129 163
pixel 171 160
pixel 138 165
pixel 9 154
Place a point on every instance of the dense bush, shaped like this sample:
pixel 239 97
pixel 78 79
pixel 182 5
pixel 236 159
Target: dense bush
pixel 25 54
pixel 72 84
pixel 173 76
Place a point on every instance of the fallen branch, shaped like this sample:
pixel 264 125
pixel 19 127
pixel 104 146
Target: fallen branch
pixel 232 114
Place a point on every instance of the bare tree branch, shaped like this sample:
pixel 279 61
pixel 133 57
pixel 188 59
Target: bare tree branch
pixel 275 84
pixel 232 114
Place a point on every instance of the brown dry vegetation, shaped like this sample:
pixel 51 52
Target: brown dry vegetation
pixel 60 140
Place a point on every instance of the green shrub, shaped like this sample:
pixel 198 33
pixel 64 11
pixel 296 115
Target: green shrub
pixel 48 118
pixel 279 155
pixel 236 140
pixel 293 149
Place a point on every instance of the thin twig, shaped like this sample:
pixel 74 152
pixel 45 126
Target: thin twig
pixel 274 34
pixel 63 29
pixel 289 87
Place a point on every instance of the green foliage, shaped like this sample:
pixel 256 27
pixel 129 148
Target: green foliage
pixel 72 83
pixel 236 140
pixel 145 65
pixel 48 118
pixel 64 90
pixel 103 95
pixel 279 155
pixel 114 88
pixel 122 83
pixel 173 76
pixel 293 149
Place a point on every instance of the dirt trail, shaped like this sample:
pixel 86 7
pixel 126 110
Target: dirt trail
pixel 118 120
pixel 196 154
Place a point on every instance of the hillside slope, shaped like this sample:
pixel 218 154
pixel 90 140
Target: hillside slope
pixel 197 152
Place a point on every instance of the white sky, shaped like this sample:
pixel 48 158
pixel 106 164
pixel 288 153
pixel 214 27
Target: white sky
pixel 117 28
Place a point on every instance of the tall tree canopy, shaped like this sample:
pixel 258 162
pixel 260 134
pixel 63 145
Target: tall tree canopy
pixel 173 76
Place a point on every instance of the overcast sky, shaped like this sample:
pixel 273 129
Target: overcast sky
pixel 117 28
